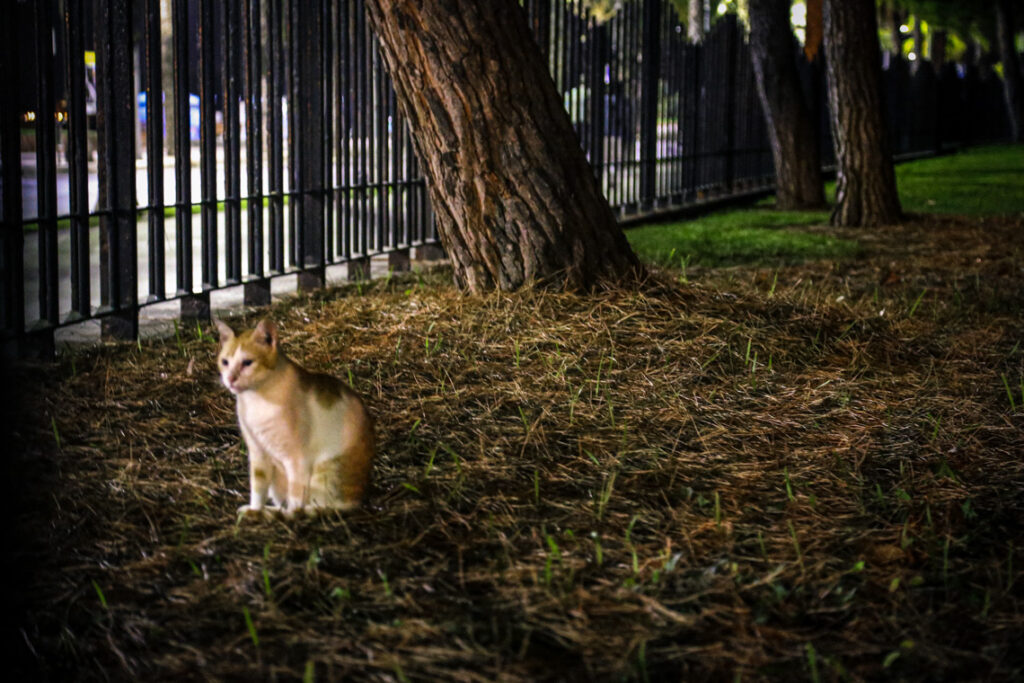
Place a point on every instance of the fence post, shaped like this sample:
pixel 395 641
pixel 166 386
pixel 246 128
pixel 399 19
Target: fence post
pixel 117 107
pixel 650 68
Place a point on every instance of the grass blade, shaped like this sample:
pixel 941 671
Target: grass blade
pixel 99 592
pixel 917 302
pixel 1006 383
pixel 251 626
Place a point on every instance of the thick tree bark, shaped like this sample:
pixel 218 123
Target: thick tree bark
pixel 792 133
pixel 866 184
pixel 514 197
pixel 1013 88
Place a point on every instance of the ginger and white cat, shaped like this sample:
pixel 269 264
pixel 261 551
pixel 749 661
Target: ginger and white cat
pixel 309 436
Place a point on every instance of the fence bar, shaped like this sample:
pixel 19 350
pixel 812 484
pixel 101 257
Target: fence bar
pixel 327 69
pixel 344 132
pixel 667 153
pixel 310 143
pixel 380 141
pixel 182 150
pixel 295 235
pixel 729 119
pixel 397 185
pixel 116 110
pixel 208 143
pixel 651 49
pixel 46 172
pixel 355 120
pixel 12 302
pixel 598 48
pixel 356 196
pixel 257 287
pixel 78 186
pixel 231 44
pixel 575 59
pixel 366 149
pixel 155 150
pixel 696 53
pixel 359 247
pixel 275 81
pixel 625 51
pixel 414 218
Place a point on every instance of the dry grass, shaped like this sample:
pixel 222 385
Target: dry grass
pixel 810 472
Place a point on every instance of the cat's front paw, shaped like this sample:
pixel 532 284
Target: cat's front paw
pixel 250 512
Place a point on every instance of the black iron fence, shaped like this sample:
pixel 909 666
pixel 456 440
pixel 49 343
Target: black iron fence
pixel 163 152
pixel 664 122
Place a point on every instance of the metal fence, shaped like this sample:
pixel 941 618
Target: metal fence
pixel 664 122
pixel 161 152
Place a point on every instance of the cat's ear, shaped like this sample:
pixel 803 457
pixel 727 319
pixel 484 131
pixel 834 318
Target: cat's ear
pixel 225 332
pixel 266 333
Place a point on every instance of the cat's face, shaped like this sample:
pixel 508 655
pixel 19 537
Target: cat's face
pixel 247 359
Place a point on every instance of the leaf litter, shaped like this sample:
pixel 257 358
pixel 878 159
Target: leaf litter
pixel 765 472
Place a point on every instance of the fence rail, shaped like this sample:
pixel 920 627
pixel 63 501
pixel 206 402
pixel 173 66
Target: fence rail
pixel 263 137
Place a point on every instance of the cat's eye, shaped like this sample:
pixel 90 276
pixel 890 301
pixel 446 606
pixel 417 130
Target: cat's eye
pixel 247 362
pixel 224 361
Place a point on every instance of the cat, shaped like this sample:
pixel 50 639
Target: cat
pixel 309 436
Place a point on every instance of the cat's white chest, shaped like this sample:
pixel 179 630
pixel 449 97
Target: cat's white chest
pixel 268 423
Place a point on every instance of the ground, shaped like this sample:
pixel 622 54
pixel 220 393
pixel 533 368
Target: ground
pixel 802 469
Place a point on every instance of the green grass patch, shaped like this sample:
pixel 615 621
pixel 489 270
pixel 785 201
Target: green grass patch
pixel 978 181
pixel 740 236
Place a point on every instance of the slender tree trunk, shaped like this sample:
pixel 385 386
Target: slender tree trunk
pixel 918 36
pixel 695 21
pixel 866 184
pixel 1013 88
pixel 893 20
pixel 514 197
pixel 792 133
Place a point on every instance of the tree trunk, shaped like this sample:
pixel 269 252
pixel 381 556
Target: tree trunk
pixel 514 197
pixel 792 133
pixel 866 185
pixel 918 36
pixel 893 20
pixel 1013 88
pixel 695 21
